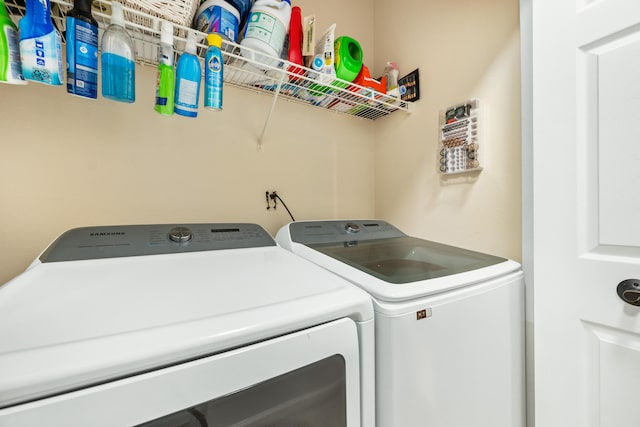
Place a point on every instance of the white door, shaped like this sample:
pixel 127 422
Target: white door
pixel 586 211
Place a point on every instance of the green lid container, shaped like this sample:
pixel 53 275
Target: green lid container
pixel 348 58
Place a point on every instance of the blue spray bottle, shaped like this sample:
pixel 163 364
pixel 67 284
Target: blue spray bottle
pixel 213 73
pixel 40 44
pixel 188 76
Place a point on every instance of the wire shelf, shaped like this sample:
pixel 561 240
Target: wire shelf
pixel 245 68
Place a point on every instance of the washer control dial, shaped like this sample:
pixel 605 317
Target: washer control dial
pixel 180 234
pixel 352 227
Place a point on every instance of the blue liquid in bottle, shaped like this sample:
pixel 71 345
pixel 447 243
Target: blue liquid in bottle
pixel 118 77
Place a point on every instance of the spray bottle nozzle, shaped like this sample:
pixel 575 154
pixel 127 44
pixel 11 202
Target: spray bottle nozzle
pixel 117 15
pixel 166 33
pixel 191 43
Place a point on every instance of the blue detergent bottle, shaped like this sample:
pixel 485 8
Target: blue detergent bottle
pixel 82 51
pixel 40 44
pixel 118 60
pixel 188 76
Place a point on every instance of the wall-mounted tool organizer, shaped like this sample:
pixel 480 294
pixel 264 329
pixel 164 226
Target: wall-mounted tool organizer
pixel 459 146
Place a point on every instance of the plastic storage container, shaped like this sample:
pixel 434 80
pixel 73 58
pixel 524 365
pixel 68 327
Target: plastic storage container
pixel 348 55
pixel 40 44
pixel 266 30
pixel 118 60
pixel 244 7
pixel 10 67
pixel 220 17
pixel 82 51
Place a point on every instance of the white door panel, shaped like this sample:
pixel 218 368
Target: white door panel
pixel 586 200
pixel 619 139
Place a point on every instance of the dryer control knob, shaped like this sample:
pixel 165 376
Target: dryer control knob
pixel 352 227
pixel 180 234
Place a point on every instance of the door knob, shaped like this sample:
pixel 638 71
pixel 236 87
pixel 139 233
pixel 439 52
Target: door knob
pixel 629 291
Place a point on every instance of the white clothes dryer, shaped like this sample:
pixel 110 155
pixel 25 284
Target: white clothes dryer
pixel 449 322
pixel 194 325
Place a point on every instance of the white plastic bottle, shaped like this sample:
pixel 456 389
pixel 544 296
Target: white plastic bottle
pixel 391 71
pixel 266 30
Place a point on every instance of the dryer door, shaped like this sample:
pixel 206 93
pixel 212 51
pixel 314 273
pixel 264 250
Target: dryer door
pixel 308 378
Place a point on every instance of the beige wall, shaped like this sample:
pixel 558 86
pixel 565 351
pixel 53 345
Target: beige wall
pixel 67 162
pixel 466 50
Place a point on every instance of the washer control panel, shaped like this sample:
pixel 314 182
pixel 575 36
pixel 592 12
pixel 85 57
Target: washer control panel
pixel 318 232
pixel 137 240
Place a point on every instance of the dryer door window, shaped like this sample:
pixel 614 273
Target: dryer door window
pixel 314 395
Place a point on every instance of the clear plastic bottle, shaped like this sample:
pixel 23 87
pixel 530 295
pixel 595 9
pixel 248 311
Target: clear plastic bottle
pixel 82 50
pixel 118 59
pixel 40 44
pixel 10 67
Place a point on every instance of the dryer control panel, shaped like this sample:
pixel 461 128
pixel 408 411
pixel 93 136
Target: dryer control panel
pixel 317 232
pixel 137 240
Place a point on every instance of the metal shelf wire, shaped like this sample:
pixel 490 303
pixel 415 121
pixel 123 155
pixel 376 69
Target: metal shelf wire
pixel 244 67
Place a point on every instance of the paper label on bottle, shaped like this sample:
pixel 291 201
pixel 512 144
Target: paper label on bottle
pixel 267 28
pixel 82 58
pixel 213 82
pixel 14 69
pixel 186 102
pixel 42 58
pixel 216 19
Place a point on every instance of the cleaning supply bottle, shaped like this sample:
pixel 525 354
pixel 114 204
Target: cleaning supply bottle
pixel 82 50
pixel 266 30
pixel 294 55
pixel 165 84
pixel 391 73
pixel 10 67
pixel 188 76
pixel 118 59
pixel 40 44
pixel 213 73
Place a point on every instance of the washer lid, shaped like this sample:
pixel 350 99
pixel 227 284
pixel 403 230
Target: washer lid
pixel 381 250
pixel 387 263
pixel 406 259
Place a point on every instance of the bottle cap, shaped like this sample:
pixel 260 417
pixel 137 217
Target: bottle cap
pixel 166 33
pixel 117 15
pixel 214 40
pixel 191 43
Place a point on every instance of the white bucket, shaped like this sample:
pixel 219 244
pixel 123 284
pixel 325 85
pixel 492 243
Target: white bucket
pixel 266 30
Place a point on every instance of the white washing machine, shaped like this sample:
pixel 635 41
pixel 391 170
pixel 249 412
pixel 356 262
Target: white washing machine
pixel 449 322
pixel 195 325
